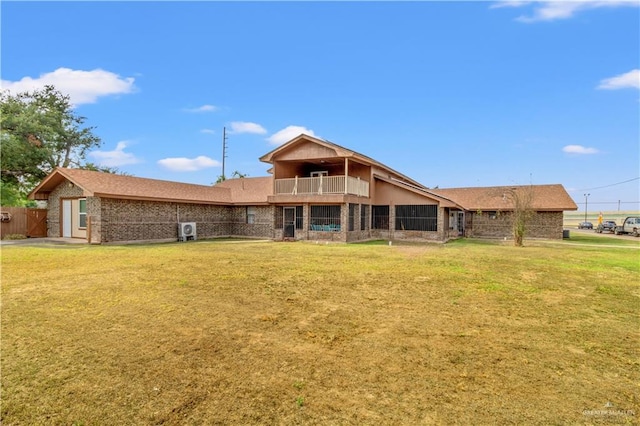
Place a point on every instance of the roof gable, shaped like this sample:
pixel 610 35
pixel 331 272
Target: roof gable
pixel 306 147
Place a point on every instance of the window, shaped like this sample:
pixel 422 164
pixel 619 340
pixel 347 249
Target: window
pixel 380 217
pixel 318 174
pixel 251 214
pixel 82 213
pixel 417 218
pixel 325 218
pixel 364 216
pixel 352 216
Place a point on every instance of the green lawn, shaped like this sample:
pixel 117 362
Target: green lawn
pixel 227 332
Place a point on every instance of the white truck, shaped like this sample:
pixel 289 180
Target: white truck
pixel 631 225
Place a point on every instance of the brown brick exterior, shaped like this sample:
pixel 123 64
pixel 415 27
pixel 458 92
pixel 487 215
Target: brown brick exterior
pixel 119 220
pixel 65 190
pixel 135 220
pixel 488 225
pixel 113 220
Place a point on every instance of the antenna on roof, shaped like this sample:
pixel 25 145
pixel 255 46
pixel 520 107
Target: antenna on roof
pixel 224 150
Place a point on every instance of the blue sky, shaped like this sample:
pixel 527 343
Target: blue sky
pixel 451 94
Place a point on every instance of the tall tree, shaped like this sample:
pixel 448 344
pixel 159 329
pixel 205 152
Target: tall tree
pixel 40 131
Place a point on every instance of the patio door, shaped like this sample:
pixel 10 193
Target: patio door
pixel 66 218
pixel 289 221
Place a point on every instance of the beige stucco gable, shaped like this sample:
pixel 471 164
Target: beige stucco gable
pixel 306 150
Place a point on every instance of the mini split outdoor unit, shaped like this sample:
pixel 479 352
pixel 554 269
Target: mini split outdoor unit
pixel 186 231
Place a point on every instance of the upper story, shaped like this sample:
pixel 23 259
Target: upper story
pixel 308 169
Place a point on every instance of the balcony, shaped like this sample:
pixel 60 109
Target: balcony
pixel 322 185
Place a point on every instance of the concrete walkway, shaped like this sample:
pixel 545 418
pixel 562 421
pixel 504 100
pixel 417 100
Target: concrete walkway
pixel 43 241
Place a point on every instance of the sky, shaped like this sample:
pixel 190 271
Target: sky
pixel 451 94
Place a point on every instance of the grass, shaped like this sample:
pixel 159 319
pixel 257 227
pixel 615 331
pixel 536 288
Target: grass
pixel 296 333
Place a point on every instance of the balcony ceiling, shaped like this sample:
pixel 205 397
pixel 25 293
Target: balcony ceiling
pixel 317 161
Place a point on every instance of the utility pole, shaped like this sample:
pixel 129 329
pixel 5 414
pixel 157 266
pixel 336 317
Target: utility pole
pixel 224 150
pixel 586 197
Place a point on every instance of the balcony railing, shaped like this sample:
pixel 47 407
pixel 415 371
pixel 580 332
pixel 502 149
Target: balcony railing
pixel 322 185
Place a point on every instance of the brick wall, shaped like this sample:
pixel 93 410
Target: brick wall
pixel 262 226
pixel 64 190
pixel 136 220
pixel 488 225
pixel 94 209
pixel 113 220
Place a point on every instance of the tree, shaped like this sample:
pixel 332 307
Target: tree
pixel 39 131
pixel 522 202
pixel 235 174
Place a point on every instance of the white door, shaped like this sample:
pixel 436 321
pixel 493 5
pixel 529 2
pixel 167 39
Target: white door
pixel 66 218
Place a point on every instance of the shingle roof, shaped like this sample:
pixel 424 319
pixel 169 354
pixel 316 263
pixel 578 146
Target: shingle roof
pixel 253 190
pixel 545 197
pixel 128 187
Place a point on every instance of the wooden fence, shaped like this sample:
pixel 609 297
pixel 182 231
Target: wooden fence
pixel 31 223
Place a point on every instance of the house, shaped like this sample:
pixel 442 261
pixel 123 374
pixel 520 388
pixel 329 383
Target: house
pixel 316 190
pixel 487 211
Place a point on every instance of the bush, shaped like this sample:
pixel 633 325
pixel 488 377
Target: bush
pixel 15 237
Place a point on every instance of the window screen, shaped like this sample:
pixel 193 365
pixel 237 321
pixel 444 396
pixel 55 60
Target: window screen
pixel 417 218
pixel 380 217
pixel 325 218
pixel 364 216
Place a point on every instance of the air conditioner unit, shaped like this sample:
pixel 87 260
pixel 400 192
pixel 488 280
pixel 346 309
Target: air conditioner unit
pixel 186 231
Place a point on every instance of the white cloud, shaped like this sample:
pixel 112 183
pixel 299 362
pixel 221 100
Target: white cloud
pixel 83 87
pixel 115 158
pixel 203 108
pixel 579 149
pixel 554 10
pixel 288 133
pixel 247 127
pixel 502 4
pixel 208 131
pixel 622 81
pixel 182 164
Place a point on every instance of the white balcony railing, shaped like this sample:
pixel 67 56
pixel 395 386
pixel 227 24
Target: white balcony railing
pixel 322 185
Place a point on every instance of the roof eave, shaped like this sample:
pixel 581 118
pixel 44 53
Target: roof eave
pixel 170 200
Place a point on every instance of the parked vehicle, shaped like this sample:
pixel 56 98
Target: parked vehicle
pixel 606 226
pixel 585 225
pixel 631 225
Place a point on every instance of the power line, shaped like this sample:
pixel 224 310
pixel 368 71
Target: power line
pixel 607 186
pixel 610 202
